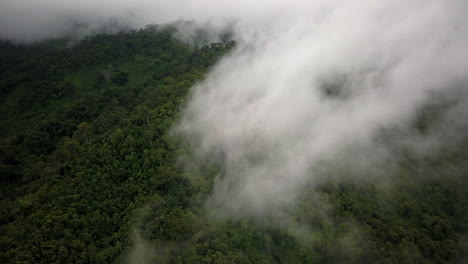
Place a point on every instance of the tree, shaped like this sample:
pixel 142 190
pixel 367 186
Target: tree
pixel 120 78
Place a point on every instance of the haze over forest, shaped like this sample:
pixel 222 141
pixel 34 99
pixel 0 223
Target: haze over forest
pixel 197 131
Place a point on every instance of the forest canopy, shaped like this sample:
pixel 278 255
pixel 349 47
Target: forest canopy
pixel 91 170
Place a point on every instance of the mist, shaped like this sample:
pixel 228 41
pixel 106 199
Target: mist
pixel 307 88
pixel 25 21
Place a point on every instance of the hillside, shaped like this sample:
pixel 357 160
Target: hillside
pixel 92 171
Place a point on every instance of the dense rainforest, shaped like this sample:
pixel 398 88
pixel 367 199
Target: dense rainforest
pixel 91 171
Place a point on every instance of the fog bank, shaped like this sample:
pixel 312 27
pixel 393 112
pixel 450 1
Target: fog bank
pixel 305 88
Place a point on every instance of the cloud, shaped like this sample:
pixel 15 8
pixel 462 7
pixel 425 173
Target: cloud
pixel 32 20
pixel 35 20
pixel 307 88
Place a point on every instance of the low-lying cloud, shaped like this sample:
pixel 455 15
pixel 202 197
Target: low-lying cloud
pixel 309 87
pixel 30 20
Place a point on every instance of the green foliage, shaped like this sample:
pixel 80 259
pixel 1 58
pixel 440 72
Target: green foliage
pixel 120 78
pixel 87 160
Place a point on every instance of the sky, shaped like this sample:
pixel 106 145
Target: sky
pixel 265 106
pixel 32 20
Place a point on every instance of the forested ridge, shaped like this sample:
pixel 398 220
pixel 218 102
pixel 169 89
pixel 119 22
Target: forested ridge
pixel 91 171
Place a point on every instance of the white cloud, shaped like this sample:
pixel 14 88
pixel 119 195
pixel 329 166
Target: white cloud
pixel 264 106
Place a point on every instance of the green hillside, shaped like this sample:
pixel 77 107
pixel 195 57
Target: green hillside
pixel 90 172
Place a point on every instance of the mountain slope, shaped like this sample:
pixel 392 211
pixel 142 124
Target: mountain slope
pixel 91 173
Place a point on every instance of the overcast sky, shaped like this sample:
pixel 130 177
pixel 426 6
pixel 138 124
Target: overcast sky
pixel 30 20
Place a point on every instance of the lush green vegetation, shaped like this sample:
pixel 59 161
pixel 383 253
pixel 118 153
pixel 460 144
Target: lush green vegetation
pixel 88 170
